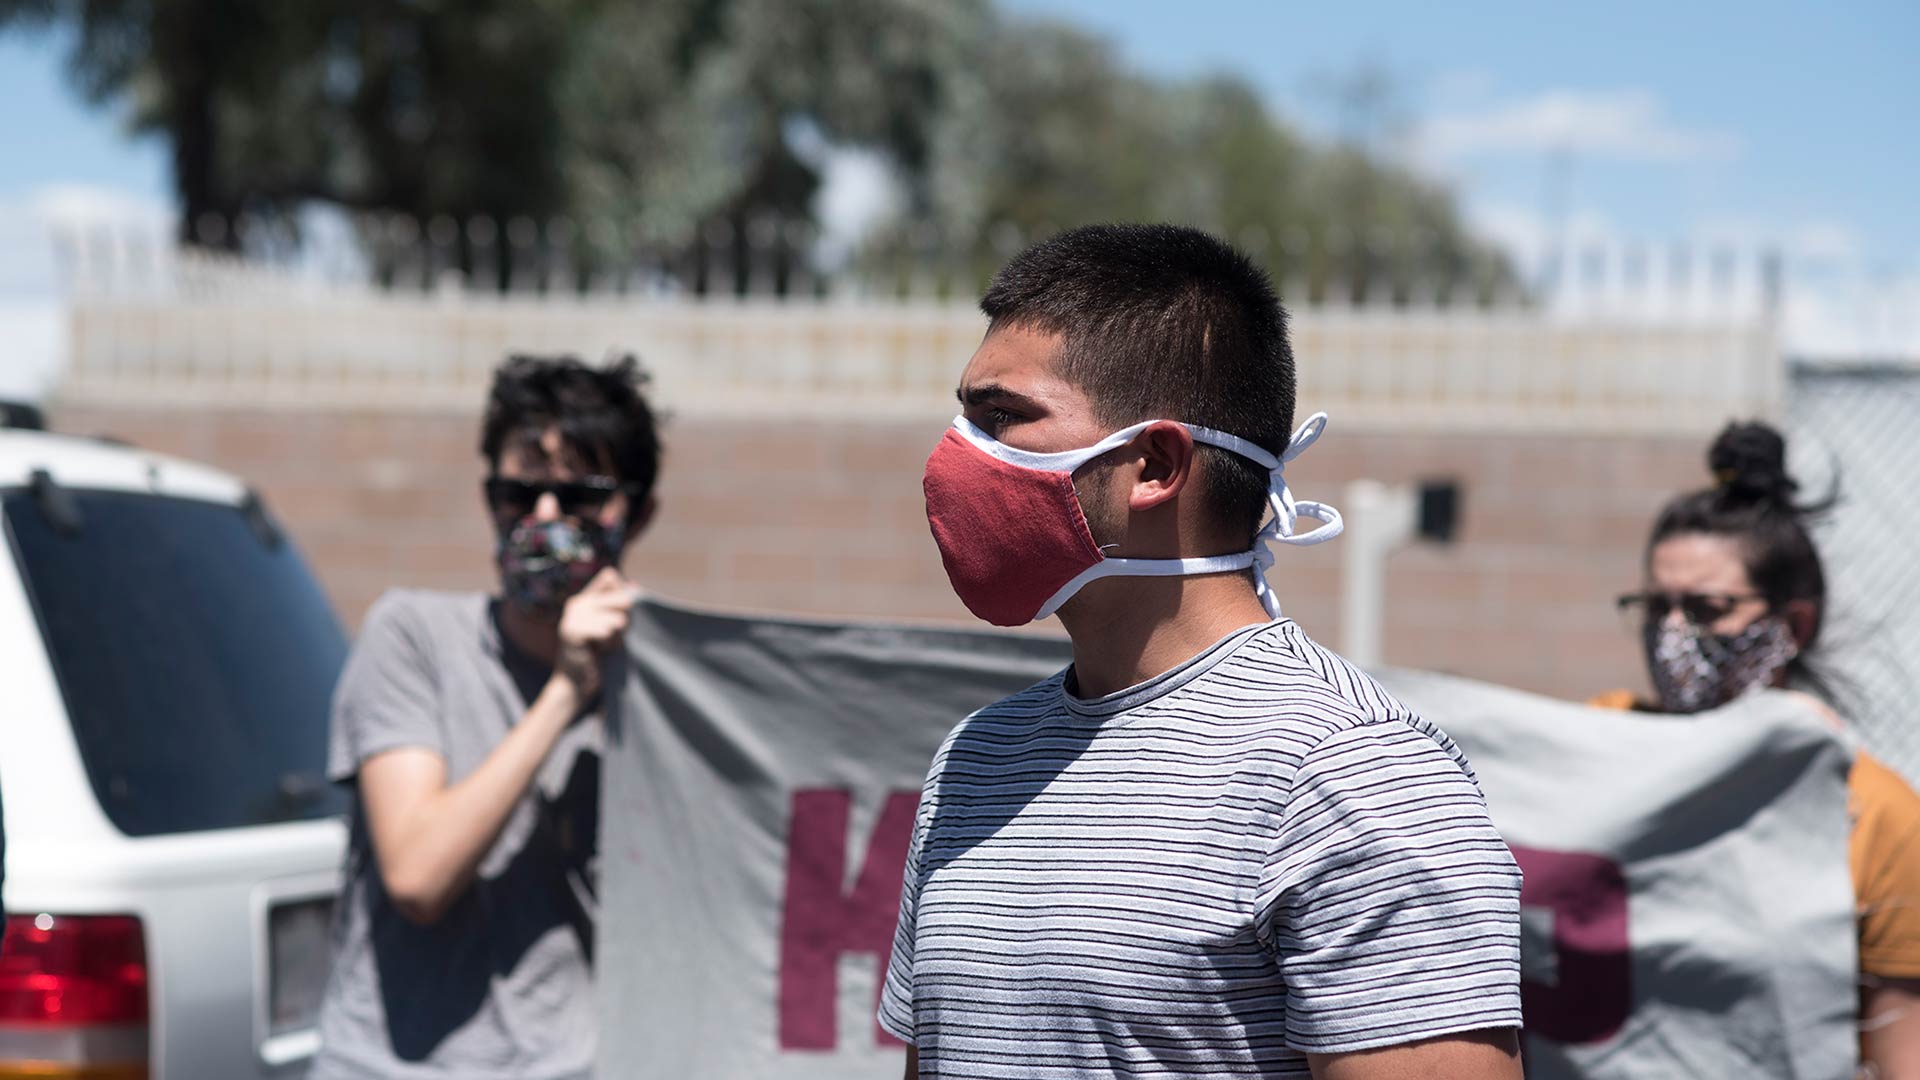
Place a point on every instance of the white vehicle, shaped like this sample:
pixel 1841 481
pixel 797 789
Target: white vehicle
pixel 172 846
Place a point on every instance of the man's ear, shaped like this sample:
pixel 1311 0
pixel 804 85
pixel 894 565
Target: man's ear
pixel 638 518
pixel 1166 465
pixel 1802 619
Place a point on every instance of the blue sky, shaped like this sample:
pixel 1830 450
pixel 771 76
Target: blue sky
pixel 1759 121
pixel 48 136
pixel 1752 123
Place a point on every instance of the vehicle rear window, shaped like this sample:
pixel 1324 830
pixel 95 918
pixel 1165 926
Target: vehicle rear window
pixel 195 651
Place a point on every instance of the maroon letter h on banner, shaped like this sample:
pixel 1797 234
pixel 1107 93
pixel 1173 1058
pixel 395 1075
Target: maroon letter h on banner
pixel 821 918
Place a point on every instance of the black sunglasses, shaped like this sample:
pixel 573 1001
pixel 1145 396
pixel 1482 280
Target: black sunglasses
pixel 577 498
pixel 1698 608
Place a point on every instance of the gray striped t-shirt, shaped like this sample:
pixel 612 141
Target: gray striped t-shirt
pixel 1254 856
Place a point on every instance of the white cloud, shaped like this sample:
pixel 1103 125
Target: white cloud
pixel 1626 124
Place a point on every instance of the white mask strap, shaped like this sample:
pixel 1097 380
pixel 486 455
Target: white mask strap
pixel 1065 461
pixel 1211 564
pixel 1287 510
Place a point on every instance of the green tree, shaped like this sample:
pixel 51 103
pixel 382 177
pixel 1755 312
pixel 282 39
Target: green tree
pixel 682 114
pixel 424 109
pixel 1056 132
pixel 184 76
pixel 690 124
pixel 664 116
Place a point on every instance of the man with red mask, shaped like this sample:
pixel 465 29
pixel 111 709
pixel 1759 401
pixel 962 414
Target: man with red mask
pixel 467 727
pixel 1209 847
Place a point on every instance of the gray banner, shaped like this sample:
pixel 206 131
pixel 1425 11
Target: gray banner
pixel 1688 910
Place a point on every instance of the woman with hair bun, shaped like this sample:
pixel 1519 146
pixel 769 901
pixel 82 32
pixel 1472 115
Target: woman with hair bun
pixel 1734 601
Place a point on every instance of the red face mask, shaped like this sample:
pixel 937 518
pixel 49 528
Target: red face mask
pixel 1015 541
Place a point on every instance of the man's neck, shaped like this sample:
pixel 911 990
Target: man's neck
pixel 534 634
pixel 1127 630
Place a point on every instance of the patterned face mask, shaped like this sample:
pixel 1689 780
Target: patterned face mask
pixel 1694 670
pixel 544 563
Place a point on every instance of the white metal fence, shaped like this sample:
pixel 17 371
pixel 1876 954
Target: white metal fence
pixel 882 335
pixel 1861 424
pixel 522 257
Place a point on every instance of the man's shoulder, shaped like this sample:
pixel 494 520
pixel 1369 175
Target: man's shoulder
pixel 1034 700
pixel 411 627
pixel 1008 716
pixel 433 601
pixel 1302 683
pixel 1400 735
pixel 1313 701
pixel 1034 703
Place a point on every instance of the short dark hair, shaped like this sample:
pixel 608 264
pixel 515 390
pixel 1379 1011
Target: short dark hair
pixel 1164 322
pixel 1752 502
pixel 601 414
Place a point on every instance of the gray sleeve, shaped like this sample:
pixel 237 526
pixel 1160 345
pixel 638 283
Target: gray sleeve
pixel 387 696
pixel 896 994
pixel 1392 905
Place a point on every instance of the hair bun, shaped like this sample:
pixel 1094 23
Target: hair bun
pixel 1749 464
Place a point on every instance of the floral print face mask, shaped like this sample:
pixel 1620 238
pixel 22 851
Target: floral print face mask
pixel 1694 670
pixel 544 563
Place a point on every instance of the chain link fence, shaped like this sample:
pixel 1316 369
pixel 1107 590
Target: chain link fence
pixel 1859 426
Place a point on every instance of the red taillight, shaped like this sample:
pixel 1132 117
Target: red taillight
pixel 71 970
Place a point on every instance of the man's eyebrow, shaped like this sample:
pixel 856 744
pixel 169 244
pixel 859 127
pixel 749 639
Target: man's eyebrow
pixel 992 393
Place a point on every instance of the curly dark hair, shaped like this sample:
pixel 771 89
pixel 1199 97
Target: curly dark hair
pixel 601 413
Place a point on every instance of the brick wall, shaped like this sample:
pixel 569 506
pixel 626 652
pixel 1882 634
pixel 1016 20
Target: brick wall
pixel 825 518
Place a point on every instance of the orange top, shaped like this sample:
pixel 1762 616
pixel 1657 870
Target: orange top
pixel 1884 852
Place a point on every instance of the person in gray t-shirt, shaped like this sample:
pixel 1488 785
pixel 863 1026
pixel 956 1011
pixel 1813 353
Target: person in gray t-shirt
pixel 468 728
